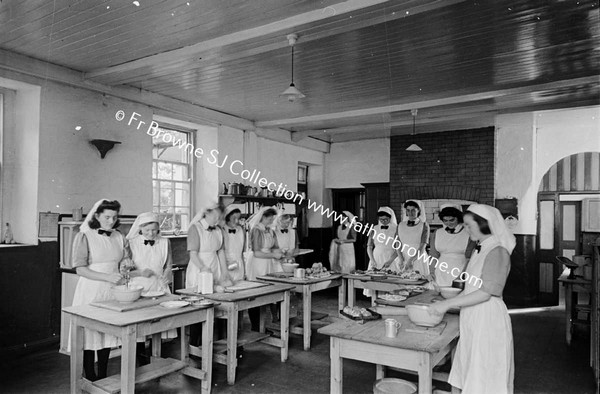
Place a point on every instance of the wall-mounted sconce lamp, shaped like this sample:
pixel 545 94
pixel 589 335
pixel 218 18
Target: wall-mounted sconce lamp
pixel 103 146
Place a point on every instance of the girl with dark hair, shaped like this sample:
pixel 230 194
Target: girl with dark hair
pixel 413 232
pixel 98 250
pixel 234 238
pixel 451 245
pixel 483 362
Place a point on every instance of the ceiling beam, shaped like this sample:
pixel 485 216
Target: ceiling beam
pixel 246 46
pixel 433 100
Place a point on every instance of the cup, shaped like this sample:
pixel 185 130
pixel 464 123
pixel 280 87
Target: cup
pixel 391 328
pixel 299 273
pixel 77 214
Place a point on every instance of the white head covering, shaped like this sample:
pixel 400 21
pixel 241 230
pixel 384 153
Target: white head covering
pixel 422 216
pixel 202 212
pixel 85 226
pixel 143 218
pixel 256 218
pixel 497 225
pixel 455 206
pixel 390 212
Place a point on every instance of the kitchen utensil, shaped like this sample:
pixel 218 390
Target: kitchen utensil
pixel 289 267
pixel 127 293
pixel 77 214
pixel 191 299
pixel 225 188
pixel 205 283
pixel 391 328
pixel 419 314
pixel 459 284
pixel 300 273
pixel 393 385
pixel 174 304
pixel 449 292
pixel 235 188
pixel 264 192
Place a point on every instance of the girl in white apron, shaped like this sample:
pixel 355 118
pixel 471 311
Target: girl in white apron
pixel 483 362
pixel 205 246
pixel 287 239
pixel 341 250
pixel 449 245
pixel 264 248
pixel 98 250
pixel 413 232
pixel 234 238
pixel 151 256
pixel 382 254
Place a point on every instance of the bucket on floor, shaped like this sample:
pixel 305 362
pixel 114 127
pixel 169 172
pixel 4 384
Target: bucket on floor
pixel 393 386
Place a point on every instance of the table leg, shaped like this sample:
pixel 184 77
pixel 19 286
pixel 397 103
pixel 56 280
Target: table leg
pixel 185 343
pixel 568 310
pixel 351 293
pixel 76 355
pixel 379 371
pixel 425 373
pixel 337 374
pixel 307 315
pixel 262 320
pixel 285 324
pixel 156 345
pixel 207 349
pixel 128 337
pixel 232 325
pixel 341 296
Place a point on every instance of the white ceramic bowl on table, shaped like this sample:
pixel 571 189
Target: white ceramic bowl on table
pixel 289 267
pixel 127 293
pixel 419 315
pixel 449 291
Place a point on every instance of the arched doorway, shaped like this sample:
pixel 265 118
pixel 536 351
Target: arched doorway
pixel 565 188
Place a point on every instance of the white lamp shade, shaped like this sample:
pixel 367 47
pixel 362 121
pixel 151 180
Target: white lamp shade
pixel 414 148
pixel 292 93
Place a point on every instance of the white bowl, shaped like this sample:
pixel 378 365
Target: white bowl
pixel 127 294
pixel 449 291
pixel 419 315
pixel 289 267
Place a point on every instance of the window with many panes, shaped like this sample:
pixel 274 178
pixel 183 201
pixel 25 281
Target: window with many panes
pixel 172 178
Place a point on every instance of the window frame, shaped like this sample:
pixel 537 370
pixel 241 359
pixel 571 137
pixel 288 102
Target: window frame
pixel 191 171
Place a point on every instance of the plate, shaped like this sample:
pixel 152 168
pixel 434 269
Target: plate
pixel 152 294
pixel 191 298
pixel 174 304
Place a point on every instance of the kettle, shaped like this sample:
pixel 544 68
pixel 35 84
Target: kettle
pixel 225 188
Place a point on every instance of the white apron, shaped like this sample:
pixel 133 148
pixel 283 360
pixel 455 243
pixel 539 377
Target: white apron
pixel 452 251
pixel 483 362
pixel 210 244
pixel 411 237
pixel 256 266
pixel 285 241
pixel 105 253
pixel 152 257
pixel 382 252
pixel 341 256
pixel 234 250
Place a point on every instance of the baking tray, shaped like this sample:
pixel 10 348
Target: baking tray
pixel 362 319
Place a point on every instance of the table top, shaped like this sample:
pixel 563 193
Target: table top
pixel 296 281
pixel 129 317
pixel 241 294
pixel 389 280
pixel 374 332
pixel 578 280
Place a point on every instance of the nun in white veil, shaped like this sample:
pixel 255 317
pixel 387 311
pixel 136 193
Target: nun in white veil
pixel 483 362
pixel 341 250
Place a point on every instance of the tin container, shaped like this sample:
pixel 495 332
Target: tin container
pixel 300 273
pixel 391 328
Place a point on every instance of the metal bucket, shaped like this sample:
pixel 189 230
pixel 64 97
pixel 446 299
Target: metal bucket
pixel 394 386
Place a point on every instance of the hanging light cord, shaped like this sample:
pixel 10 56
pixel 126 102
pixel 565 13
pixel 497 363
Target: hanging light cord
pixel 292 64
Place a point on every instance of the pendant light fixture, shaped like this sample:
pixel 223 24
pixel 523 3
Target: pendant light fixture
pixel 292 93
pixel 414 147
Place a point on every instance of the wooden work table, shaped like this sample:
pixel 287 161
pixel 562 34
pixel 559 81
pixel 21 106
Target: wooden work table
pixel 129 326
pixel 383 285
pixel 416 352
pixel 306 287
pixel 230 304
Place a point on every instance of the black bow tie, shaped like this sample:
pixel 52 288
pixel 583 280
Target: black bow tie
pixel 211 228
pixel 477 247
pixel 284 231
pixel 231 231
pixel 149 242
pixel 450 230
pixel 411 223
pixel 104 232
pixel 385 227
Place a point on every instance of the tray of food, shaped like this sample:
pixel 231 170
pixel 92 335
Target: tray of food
pixel 359 315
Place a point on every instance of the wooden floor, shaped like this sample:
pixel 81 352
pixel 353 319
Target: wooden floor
pixel 543 364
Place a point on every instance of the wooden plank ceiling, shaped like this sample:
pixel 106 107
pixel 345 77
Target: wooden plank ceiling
pixel 363 64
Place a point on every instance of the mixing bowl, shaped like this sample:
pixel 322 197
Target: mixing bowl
pixel 127 293
pixel 289 267
pixel 449 291
pixel 419 315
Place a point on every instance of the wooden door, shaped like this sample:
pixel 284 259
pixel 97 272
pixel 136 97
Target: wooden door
pixel 548 248
pixel 569 228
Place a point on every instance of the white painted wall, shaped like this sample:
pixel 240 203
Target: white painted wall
pixel 351 163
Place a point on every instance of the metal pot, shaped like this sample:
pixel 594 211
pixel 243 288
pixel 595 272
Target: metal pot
pixel 264 192
pixel 235 188
pixel 250 191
